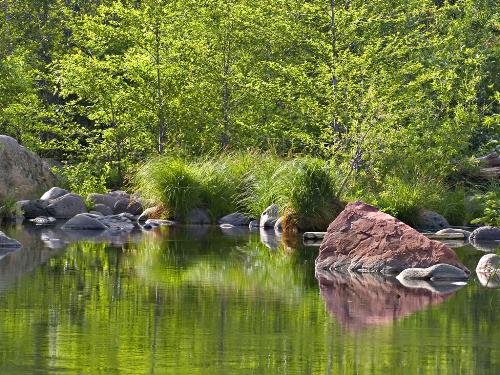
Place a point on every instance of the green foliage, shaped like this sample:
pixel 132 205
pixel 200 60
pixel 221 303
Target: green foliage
pixel 9 208
pixel 302 187
pixel 491 207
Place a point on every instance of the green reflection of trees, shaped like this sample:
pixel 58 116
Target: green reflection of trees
pixel 221 305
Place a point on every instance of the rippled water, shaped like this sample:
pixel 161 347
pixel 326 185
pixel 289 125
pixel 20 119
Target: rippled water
pixel 199 301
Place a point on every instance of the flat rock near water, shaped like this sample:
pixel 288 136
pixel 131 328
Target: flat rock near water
pixel 362 238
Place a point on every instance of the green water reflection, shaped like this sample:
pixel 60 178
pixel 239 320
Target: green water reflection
pixel 182 301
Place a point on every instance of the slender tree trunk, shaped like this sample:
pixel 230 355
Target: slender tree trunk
pixel 159 94
pixel 335 124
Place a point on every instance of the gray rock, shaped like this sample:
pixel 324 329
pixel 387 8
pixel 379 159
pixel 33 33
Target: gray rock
pixel 488 263
pixel 254 224
pixel 7 242
pixel 84 222
pixel 96 213
pixel 66 206
pixel 34 208
pixel 120 206
pixel 269 216
pixel 431 220
pixel 198 217
pixel 54 193
pixel 235 219
pixel 466 233
pixel 439 271
pixel 485 234
pixel 117 222
pixel 23 174
pixel 278 226
pixel 103 209
pixel 160 222
pixel 108 199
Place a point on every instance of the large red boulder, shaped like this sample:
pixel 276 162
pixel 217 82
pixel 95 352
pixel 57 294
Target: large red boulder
pixel 364 239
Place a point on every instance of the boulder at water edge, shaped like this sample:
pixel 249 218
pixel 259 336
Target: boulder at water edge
pixel 235 219
pixel 23 174
pixel 66 206
pixel 485 234
pixel 364 239
pixel 269 217
pixel 431 220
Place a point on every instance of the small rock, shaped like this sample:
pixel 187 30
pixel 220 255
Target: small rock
pixel 54 193
pixel 7 242
pixel 485 234
pixel 235 219
pixel 226 226
pixel 198 217
pixel 147 227
pixel 66 206
pixel 431 220
pixel 436 272
pixel 160 222
pixel 466 233
pixel 269 216
pixel 84 222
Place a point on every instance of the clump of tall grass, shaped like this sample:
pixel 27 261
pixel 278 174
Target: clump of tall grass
pixel 302 187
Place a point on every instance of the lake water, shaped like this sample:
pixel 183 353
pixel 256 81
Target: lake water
pixel 199 301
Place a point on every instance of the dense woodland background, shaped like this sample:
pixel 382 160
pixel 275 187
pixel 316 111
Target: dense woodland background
pixel 380 87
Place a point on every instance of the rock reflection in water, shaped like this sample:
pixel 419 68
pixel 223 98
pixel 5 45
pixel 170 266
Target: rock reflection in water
pixel 361 300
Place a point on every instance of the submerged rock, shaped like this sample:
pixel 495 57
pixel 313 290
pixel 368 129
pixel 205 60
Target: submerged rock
pixel 436 272
pixel 235 219
pixel 269 216
pixel 364 239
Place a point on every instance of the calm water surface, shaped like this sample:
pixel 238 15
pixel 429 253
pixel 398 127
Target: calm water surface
pixel 199 301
